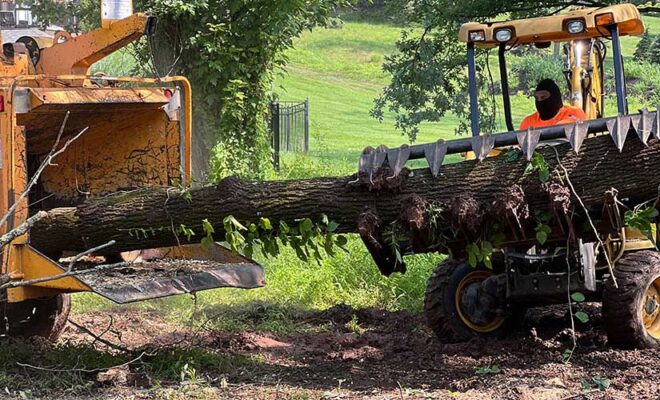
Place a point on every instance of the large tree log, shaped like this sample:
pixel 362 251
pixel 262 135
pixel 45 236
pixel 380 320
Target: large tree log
pixel 146 218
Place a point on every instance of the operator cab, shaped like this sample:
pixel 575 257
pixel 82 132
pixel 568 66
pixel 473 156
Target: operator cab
pixel 582 33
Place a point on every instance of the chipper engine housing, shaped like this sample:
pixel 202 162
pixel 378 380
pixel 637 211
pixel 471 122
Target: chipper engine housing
pixel 112 134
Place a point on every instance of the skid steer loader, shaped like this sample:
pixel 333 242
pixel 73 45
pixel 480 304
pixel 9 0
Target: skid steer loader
pixel 136 133
pixel 464 301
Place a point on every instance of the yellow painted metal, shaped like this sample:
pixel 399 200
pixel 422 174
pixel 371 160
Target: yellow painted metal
pixel 580 77
pixel 133 140
pixel 76 55
pixel 553 28
pixel 28 264
pixel 650 309
pixel 474 277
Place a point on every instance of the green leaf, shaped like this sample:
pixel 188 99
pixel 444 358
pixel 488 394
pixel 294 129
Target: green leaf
pixel 207 227
pixel 341 240
pixel 230 220
pixel 472 260
pixel 284 228
pixel 332 226
pixel 603 383
pixel 265 224
pixel 578 297
pixel 207 242
pixel 541 237
pixel 582 317
pixel 586 386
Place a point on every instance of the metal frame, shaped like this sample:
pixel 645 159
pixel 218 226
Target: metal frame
pixel 619 76
pixel 504 81
pixel 472 83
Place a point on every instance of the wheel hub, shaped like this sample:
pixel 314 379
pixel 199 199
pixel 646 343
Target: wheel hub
pixel 651 309
pixel 477 303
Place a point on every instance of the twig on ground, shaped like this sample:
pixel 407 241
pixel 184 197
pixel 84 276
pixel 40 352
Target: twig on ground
pixel 575 396
pixel 98 338
pixel 85 371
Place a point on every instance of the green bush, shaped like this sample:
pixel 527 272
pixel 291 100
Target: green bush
pixel 642 84
pixel 527 71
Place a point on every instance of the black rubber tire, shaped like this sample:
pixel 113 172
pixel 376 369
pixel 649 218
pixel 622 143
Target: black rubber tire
pixel 40 317
pixel 622 305
pixel 440 307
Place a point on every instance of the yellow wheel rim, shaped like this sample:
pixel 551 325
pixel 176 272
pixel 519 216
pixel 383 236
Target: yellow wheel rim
pixel 475 277
pixel 651 309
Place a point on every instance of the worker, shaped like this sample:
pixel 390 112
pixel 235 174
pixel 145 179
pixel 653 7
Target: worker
pixel 550 108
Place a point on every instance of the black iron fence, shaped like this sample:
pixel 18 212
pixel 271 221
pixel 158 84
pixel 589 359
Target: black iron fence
pixel 289 125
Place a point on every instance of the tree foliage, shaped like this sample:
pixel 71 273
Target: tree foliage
pixel 229 49
pixel 428 69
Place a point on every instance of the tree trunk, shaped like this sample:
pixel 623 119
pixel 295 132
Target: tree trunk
pixel 147 218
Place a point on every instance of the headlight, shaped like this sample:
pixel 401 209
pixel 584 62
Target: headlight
pixel 503 35
pixel 477 36
pixel 575 26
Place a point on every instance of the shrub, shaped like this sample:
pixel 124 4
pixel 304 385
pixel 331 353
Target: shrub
pixel 529 70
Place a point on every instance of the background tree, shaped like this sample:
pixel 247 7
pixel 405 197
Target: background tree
pixel 429 65
pixel 229 49
pixel 643 48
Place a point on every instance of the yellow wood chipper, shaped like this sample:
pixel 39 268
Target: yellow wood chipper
pixel 110 134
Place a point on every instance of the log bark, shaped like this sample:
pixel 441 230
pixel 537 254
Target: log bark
pixel 147 218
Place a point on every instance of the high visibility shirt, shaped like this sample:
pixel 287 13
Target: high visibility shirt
pixel 566 115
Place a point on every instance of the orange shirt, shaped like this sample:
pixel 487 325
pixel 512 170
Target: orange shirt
pixel 566 115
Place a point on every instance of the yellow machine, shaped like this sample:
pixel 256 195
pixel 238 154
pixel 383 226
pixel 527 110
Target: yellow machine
pixel 136 134
pixel 608 262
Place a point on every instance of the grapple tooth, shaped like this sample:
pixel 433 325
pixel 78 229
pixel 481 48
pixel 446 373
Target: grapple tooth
pixel 528 141
pixel 643 124
pixel 397 159
pixel 482 145
pixel 366 164
pixel 435 154
pixel 656 123
pixel 576 135
pixel 618 129
pixel 380 156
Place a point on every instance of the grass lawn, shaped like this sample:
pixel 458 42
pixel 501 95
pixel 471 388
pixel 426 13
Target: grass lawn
pixel 340 71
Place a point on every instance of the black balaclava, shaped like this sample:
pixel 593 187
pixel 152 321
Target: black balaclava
pixel 549 107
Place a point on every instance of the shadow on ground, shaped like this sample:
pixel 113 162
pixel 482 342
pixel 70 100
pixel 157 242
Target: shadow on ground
pixel 358 352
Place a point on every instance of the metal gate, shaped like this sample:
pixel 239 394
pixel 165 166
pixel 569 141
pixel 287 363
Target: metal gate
pixel 289 126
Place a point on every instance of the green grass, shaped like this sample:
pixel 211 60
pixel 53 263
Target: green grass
pixel 340 71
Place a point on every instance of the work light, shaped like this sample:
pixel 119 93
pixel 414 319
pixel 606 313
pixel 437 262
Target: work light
pixel 503 35
pixel 575 26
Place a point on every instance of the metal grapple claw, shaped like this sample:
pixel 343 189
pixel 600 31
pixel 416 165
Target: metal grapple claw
pixel 618 129
pixel 435 155
pixel 380 156
pixel 576 134
pixel 482 146
pixel 366 164
pixel 643 124
pixel 397 159
pixel 656 123
pixel 528 141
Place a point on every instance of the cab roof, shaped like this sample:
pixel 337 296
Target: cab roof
pixel 554 28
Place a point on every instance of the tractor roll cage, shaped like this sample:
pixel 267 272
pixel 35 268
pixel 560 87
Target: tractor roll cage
pixel 619 81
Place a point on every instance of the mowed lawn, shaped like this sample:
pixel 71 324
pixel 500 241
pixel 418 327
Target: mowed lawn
pixel 340 71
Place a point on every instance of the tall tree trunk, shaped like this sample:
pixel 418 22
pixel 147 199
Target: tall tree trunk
pixel 147 218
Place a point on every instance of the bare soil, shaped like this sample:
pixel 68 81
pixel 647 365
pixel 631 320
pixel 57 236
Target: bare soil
pixel 343 353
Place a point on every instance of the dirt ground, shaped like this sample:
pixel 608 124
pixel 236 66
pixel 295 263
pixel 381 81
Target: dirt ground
pixel 368 354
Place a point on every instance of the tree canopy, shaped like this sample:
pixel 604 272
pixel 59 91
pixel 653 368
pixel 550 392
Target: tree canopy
pixel 229 49
pixel 429 65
